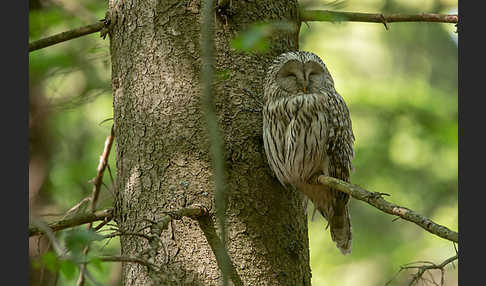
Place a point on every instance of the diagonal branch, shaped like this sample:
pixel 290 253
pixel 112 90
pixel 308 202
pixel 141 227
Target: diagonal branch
pixel 66 36
pixel 74 221
pixel 222 257
pixel 376 200
pixel 101 169
pixel 97 181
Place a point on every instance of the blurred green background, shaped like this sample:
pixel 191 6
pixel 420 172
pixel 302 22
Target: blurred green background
pixel 400 86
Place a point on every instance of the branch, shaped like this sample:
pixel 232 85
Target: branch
pixel 66 36
pixel 74 221
pixel 219 250
pixel 305 16
pixel 424 267
pixel 193 212
pixel 334 16
pixel 376 200
pixel 215 137
pixel 127 259
pixel 97 181
pixel 101 169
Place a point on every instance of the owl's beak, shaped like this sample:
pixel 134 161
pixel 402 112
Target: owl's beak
pixel 305 85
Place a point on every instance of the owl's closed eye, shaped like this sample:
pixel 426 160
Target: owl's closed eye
pixel 295 76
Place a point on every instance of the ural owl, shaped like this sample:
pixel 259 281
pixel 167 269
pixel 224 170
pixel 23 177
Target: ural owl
pixel 307 131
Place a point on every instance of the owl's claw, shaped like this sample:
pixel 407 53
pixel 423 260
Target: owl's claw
pixel 377 195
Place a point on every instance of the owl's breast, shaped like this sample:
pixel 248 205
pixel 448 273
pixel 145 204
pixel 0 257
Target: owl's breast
pixel 297 128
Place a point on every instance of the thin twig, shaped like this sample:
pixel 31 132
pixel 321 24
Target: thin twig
pixel 97 181
pixel 101 169
pixel 102 224
pixel 376 200
pixel 66 36
pixel 335 16
pixel 422 269
pixel 76 208
pixel 111 175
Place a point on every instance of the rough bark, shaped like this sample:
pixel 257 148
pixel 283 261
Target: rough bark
pixel 162 146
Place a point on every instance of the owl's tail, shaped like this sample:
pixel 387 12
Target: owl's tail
pixel 340 227
pixel 332 204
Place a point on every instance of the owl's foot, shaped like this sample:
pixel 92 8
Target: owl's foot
pixel 376 195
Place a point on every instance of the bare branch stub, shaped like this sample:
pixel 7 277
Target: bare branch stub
pixel 66 36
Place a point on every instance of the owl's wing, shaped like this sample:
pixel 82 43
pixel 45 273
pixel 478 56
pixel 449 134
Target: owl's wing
pixel 273 130
pixel 340 153
pixel 340 139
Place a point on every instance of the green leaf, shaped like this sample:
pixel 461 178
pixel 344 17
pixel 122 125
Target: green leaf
pixel 51 261
pixel 78 238
pixel 96 262
pixel 255 39
pixel 68 268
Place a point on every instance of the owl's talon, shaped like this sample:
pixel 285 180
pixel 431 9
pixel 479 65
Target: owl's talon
pixel 377 195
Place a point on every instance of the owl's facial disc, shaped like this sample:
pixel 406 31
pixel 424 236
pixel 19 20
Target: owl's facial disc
pixel 297 77
pixel 291 77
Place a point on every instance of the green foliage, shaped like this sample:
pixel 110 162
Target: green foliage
pixel 50 261
pixel 96 262
pixel 256 38
pixel 77 239
pixel 67 267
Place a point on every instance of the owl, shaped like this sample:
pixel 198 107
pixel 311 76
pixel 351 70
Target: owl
pixel 307 131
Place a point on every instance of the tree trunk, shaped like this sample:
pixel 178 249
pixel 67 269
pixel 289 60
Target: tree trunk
pixel 162 146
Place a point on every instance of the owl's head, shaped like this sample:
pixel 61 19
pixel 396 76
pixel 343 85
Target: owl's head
pixel 298 72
